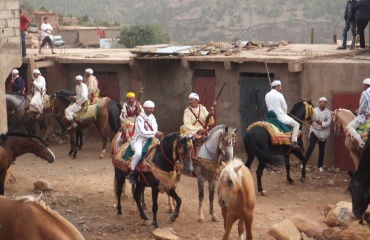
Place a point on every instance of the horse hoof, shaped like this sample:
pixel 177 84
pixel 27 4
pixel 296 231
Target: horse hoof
pixel 291 181
pixel 61 142
pixel 172 218
pixel 263 193
pixel 170 211
pixel 101 156
pixel 215 218
pixel 79 148
pixel 201 220
pixel 303 179
pixel 146 222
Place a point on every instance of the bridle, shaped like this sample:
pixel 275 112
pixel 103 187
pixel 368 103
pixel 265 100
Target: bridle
pixel 224 141
pixel 308 117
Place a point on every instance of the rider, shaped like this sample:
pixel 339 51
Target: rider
pixel 145 127
pixel 39 88
pixel 16 84
pixel 81 98
pixel 196 117
pixel 131 108
pixel 363 114
pixel 275 101
pixel 92 85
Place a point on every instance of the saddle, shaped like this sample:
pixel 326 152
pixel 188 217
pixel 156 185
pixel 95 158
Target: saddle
pixel 277 137
pixel 45 102
pixel 362 130
pixel 88 112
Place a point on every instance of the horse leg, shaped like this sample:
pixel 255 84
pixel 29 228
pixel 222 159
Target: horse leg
pixel 143 201
pixel 170 205
pixel 248 226
pixel 287 167
pixel 155 206
pixel 224 214
pixel 241 225
pixel 249 161
pixel 259 172
pixel 211 188
pixel 119 181
pixel 201 198
pixel 134 206
pixel 2 181
pixel 172 193
pixel 230 219
pixel 72 143
pixel 137 194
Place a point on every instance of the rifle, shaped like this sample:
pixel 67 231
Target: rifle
pixel 214 104
pixel 140 91
pixel 268 74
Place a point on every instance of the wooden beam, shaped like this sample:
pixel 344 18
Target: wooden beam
pixel 295 66
pixel 230 65
pixel 44 64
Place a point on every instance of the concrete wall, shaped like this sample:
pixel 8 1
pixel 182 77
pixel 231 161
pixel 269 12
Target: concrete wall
pixel 322 78
pixel 89 37
pixel 10 49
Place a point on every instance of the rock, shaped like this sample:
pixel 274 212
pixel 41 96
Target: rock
pixel 327 209
pixel 42 185
pixel 340 215
pixel 268 237
pixel 307 225
pixel 284 43
pixel 332 233
pixel 304 237
pixel 10 177
pixel 285 230
pixel 161 234
pixel 357 232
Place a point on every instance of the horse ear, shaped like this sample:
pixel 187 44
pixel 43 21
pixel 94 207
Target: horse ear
pixel 235 130
pixel 226 128
pixel 237 168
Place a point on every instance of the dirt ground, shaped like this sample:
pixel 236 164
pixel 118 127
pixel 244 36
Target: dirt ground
pixel 83 194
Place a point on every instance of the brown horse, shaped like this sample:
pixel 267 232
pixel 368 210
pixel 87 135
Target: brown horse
pixel 61 102
pixel 341 118
pixel 236 197
pixel 13 145
pixel 29 218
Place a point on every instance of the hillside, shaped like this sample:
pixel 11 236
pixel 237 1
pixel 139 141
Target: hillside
pixel 193 21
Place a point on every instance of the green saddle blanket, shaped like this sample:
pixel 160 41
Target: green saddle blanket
pixel 272 118
pixel 364 128
pixel 129 152
pixel 87 114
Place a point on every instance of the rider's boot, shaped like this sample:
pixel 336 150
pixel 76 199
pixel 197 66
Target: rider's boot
pixel 73 125
pixel 132 177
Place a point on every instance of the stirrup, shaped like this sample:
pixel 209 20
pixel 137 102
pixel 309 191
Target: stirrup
pixel 73 126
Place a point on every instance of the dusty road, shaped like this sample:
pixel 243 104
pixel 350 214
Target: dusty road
pixel 83 193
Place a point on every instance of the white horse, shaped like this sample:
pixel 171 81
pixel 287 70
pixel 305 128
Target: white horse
pixel 207 165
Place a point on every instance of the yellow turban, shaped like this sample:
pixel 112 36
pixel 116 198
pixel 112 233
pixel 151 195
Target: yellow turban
pixel 130 95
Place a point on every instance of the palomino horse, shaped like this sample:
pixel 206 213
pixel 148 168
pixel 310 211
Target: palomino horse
pixel 164 161
pixel 28 218
pixel 13 145
pixel 206 166
pixel 236 197
pixel 359 186
pixel 16 107
pixel 104 127
pixel 341 118
pixel 257 143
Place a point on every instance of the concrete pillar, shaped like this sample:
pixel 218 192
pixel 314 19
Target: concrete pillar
pixel 10 50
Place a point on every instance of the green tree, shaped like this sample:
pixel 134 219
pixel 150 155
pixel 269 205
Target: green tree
pixel 135 35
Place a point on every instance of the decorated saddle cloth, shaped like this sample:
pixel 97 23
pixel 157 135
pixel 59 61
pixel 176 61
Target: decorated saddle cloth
pixel 362 130
pixel 123 157
pixel 88 113
pixel 45 101
pixel 277 137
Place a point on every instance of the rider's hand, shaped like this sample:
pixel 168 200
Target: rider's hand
pixel 202 131
pixel 318 122
pixel 159 135
pixel 212 111
pixel 137 105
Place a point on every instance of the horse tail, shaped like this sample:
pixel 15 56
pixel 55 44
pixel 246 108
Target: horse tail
pixel 114 110
pixel 265 157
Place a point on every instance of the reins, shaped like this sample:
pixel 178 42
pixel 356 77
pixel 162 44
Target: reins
pixel 166 156
pixel 308 113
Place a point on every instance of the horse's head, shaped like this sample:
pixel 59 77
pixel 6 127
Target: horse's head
pixel 227 142
pixel 229 181
pixel 359 189
pixel 184 151
pixel 338 129
pixel 41 149
pixel 303 111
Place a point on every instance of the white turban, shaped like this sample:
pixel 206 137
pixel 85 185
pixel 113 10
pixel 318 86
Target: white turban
pixel 89 70
pixel 149 104
pixel 79 77
pixel 15 71
pixel 323 99
pixel 36 71
pixel 275 83
pixel 367 81
pixel 194 95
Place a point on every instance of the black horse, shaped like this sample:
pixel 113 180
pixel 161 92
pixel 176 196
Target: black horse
pixel 163 159
pixel 257 144
pixel 359 186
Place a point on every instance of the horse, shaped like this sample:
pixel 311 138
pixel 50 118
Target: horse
pixel 359 185
pixel 28 218
pixel 13 145
pixel 16 106
pixel 219 145
pixel 236 197
pixel 341 118
pixel 164 160
pixel 106 119
pixel 257 144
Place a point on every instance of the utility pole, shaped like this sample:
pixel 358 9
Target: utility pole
pixel 251 25
pixel 241 22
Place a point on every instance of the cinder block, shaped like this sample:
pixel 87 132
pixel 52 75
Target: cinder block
pixel 13 42
pixel 13 23
pixel 2 4
pixel 11 4
pixel 5 14
pixel 9 32
pixel 3 23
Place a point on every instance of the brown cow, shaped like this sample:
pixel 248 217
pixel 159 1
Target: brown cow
pixel 30 219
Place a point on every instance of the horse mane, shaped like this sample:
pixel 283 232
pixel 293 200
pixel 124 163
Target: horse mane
pixel 298 105
pixel 182 142
pixel 168 139
pixel 229 173
pixel 64 94
pixel 23 135
pixel 215 129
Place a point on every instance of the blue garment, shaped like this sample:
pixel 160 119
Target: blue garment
pixel 24 46
pixel 18 85
pixel 349 25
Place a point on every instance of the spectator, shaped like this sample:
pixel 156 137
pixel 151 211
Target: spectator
pixel 25 23
pixel 46 30
pixel 349 23
pixel 362 19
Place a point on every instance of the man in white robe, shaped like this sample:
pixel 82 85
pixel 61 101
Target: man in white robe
pixel 39 88
pixel 81 97
pixel 319 131
pixel 92 85
pixel 145 127
pixel 275 101
pixel 363 114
